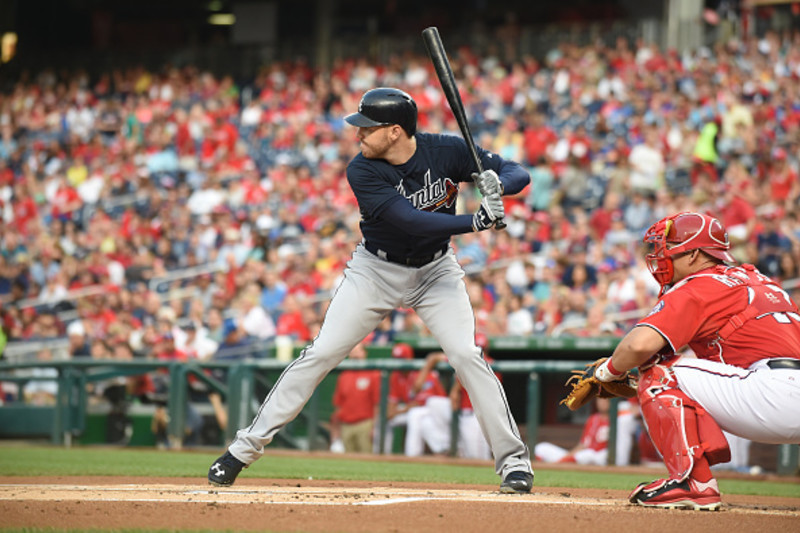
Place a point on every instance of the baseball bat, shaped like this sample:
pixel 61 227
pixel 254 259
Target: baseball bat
pixel 433 42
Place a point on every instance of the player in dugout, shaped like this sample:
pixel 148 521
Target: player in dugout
pixel 745 378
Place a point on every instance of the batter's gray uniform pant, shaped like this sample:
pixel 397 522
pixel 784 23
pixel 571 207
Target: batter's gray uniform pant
pixel 371 288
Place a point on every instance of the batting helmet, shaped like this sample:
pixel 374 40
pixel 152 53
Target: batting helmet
pixel 402 350
pixel 681 233
pixel 385 106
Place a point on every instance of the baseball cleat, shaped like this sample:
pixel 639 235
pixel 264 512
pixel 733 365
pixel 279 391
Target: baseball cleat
pixel 676 494
pixel 224 470
pixel 517 482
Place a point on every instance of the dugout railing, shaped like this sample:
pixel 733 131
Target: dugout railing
pixel 238 389
pixel 68 417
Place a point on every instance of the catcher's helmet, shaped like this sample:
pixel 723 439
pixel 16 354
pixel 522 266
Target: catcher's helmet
pixel 681 233
pixel 385 106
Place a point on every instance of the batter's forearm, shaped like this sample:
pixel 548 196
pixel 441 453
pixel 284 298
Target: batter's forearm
pixel 514 177
pixel 423 223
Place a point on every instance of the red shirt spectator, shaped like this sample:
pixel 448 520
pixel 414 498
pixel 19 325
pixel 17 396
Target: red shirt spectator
pixel 356 395
pixel 600 221
pixel 66 201
pixel 293 324
pixel 537 138
pixel 737 212
pixel 782 177
pixel 254 193
pixel 24 208
pixel 165 350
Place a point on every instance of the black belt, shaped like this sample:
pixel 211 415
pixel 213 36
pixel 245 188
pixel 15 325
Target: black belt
pixel 415 262
pixel 784 363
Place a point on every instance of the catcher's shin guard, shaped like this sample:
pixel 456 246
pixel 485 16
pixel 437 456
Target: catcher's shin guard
pixel 680 429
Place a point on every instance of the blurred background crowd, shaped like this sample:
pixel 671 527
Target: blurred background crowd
pixel 179 212
pixel 183 214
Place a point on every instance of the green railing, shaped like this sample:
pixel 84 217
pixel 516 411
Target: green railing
pixel 239 389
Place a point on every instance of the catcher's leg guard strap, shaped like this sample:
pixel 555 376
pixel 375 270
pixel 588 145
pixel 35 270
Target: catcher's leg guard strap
pixel 680 429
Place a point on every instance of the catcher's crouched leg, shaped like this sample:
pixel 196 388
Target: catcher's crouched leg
pixel 688 439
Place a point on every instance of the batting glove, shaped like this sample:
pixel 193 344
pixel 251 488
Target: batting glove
pixel 490 210
pixel 488 182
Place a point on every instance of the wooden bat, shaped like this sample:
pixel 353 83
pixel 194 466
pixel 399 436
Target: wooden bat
pixel 433 42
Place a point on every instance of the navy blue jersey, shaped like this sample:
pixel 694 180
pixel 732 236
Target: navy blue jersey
pixel 409 210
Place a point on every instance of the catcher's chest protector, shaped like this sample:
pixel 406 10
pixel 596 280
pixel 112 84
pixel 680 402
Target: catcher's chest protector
pixel 680 429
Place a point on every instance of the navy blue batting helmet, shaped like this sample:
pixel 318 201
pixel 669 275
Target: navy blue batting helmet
pixel 385 106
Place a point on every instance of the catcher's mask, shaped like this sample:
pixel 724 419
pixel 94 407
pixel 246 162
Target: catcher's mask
pixel 684 232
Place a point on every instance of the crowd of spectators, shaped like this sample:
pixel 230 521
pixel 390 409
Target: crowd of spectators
pixel 182 214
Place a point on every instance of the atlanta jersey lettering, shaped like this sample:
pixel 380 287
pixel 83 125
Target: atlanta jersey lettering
pixel 429 181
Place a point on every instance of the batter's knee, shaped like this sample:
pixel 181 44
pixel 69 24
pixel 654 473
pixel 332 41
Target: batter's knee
pixel 464 356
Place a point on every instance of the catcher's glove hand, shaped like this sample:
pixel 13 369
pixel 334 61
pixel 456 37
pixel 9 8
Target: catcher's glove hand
pixel 586 386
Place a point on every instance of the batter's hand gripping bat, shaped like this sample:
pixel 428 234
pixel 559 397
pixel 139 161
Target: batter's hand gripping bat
pixel 433 42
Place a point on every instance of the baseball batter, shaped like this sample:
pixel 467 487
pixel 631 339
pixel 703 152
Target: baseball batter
pixel 406 185
pixel 745 379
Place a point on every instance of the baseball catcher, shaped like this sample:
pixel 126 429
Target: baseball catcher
pixel 744 377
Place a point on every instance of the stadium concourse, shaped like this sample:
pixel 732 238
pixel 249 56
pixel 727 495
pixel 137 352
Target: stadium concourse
pixel 178 214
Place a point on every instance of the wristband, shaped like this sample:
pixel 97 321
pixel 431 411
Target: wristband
pixel 610 366
pixel 606 372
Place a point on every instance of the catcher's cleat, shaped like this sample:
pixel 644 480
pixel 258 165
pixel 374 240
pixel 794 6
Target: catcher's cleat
pixel 676 494
pixel 517 482
pixel 224 470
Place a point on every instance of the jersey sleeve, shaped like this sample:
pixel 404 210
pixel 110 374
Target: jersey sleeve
pixel 676 316
pixel 512 175
pixel 402 215
pixel 373 191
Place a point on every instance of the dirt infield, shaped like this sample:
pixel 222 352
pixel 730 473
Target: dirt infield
pixel 330 506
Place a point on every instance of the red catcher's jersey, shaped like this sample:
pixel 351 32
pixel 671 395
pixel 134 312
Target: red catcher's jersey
pixel 698 308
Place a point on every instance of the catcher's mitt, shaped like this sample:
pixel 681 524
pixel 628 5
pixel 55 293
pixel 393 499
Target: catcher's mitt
pixel 586 387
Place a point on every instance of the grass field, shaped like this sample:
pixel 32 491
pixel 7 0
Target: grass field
pixel 26 460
